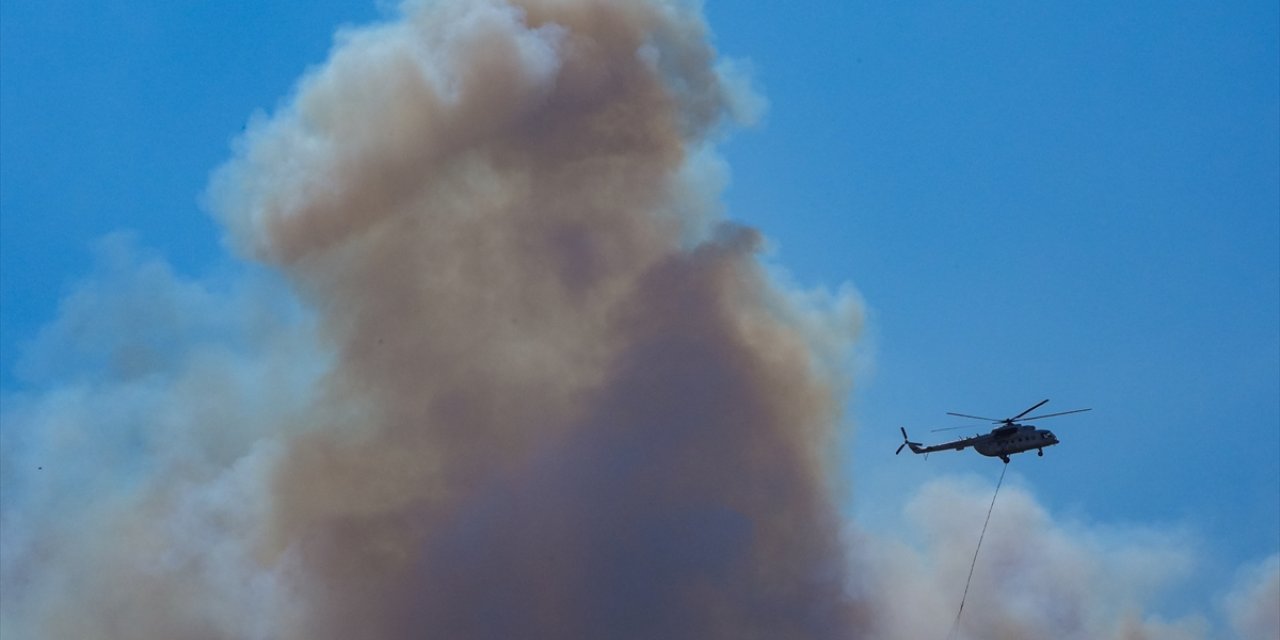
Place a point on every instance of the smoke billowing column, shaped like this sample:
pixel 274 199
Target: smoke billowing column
pixel 566 400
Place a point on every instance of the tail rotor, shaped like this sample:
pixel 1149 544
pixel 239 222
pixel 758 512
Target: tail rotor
pixel 906 442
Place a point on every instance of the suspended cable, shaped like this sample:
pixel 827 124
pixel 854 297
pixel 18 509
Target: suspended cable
pixel 955 626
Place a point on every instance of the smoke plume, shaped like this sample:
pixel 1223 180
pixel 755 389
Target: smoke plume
pixel 562 406
pixel 546 391
pixel 1253 606
pixel 499 368
pixel 1037 576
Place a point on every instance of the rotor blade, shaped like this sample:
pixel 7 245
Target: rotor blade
pixel 1060 413
pixel 965 415
pixel 899 448
pixel 1033 408
pixel 950 429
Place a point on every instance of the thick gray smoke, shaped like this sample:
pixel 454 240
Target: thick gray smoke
pixel 562 406
pixel 510 375
pixel 547 392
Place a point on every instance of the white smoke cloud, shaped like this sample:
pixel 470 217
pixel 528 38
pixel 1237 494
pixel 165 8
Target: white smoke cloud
pixel 133 467
pixel 1253 605
pixel 1037 576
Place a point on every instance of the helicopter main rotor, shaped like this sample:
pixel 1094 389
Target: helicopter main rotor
pixel 1014 419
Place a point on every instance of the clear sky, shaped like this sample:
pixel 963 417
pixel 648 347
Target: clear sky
pixel 1076 201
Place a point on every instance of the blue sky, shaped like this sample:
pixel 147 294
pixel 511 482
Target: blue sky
pixel 1076 201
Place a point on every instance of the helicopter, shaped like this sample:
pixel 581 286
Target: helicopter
pixel 1003 441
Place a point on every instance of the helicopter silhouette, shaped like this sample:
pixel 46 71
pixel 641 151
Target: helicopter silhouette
pixel 1003 441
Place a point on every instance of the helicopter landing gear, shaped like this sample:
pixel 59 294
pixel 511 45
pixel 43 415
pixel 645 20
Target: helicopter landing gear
pixel 1040 452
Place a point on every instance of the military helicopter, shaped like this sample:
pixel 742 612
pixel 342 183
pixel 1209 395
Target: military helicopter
pixel 1003 441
